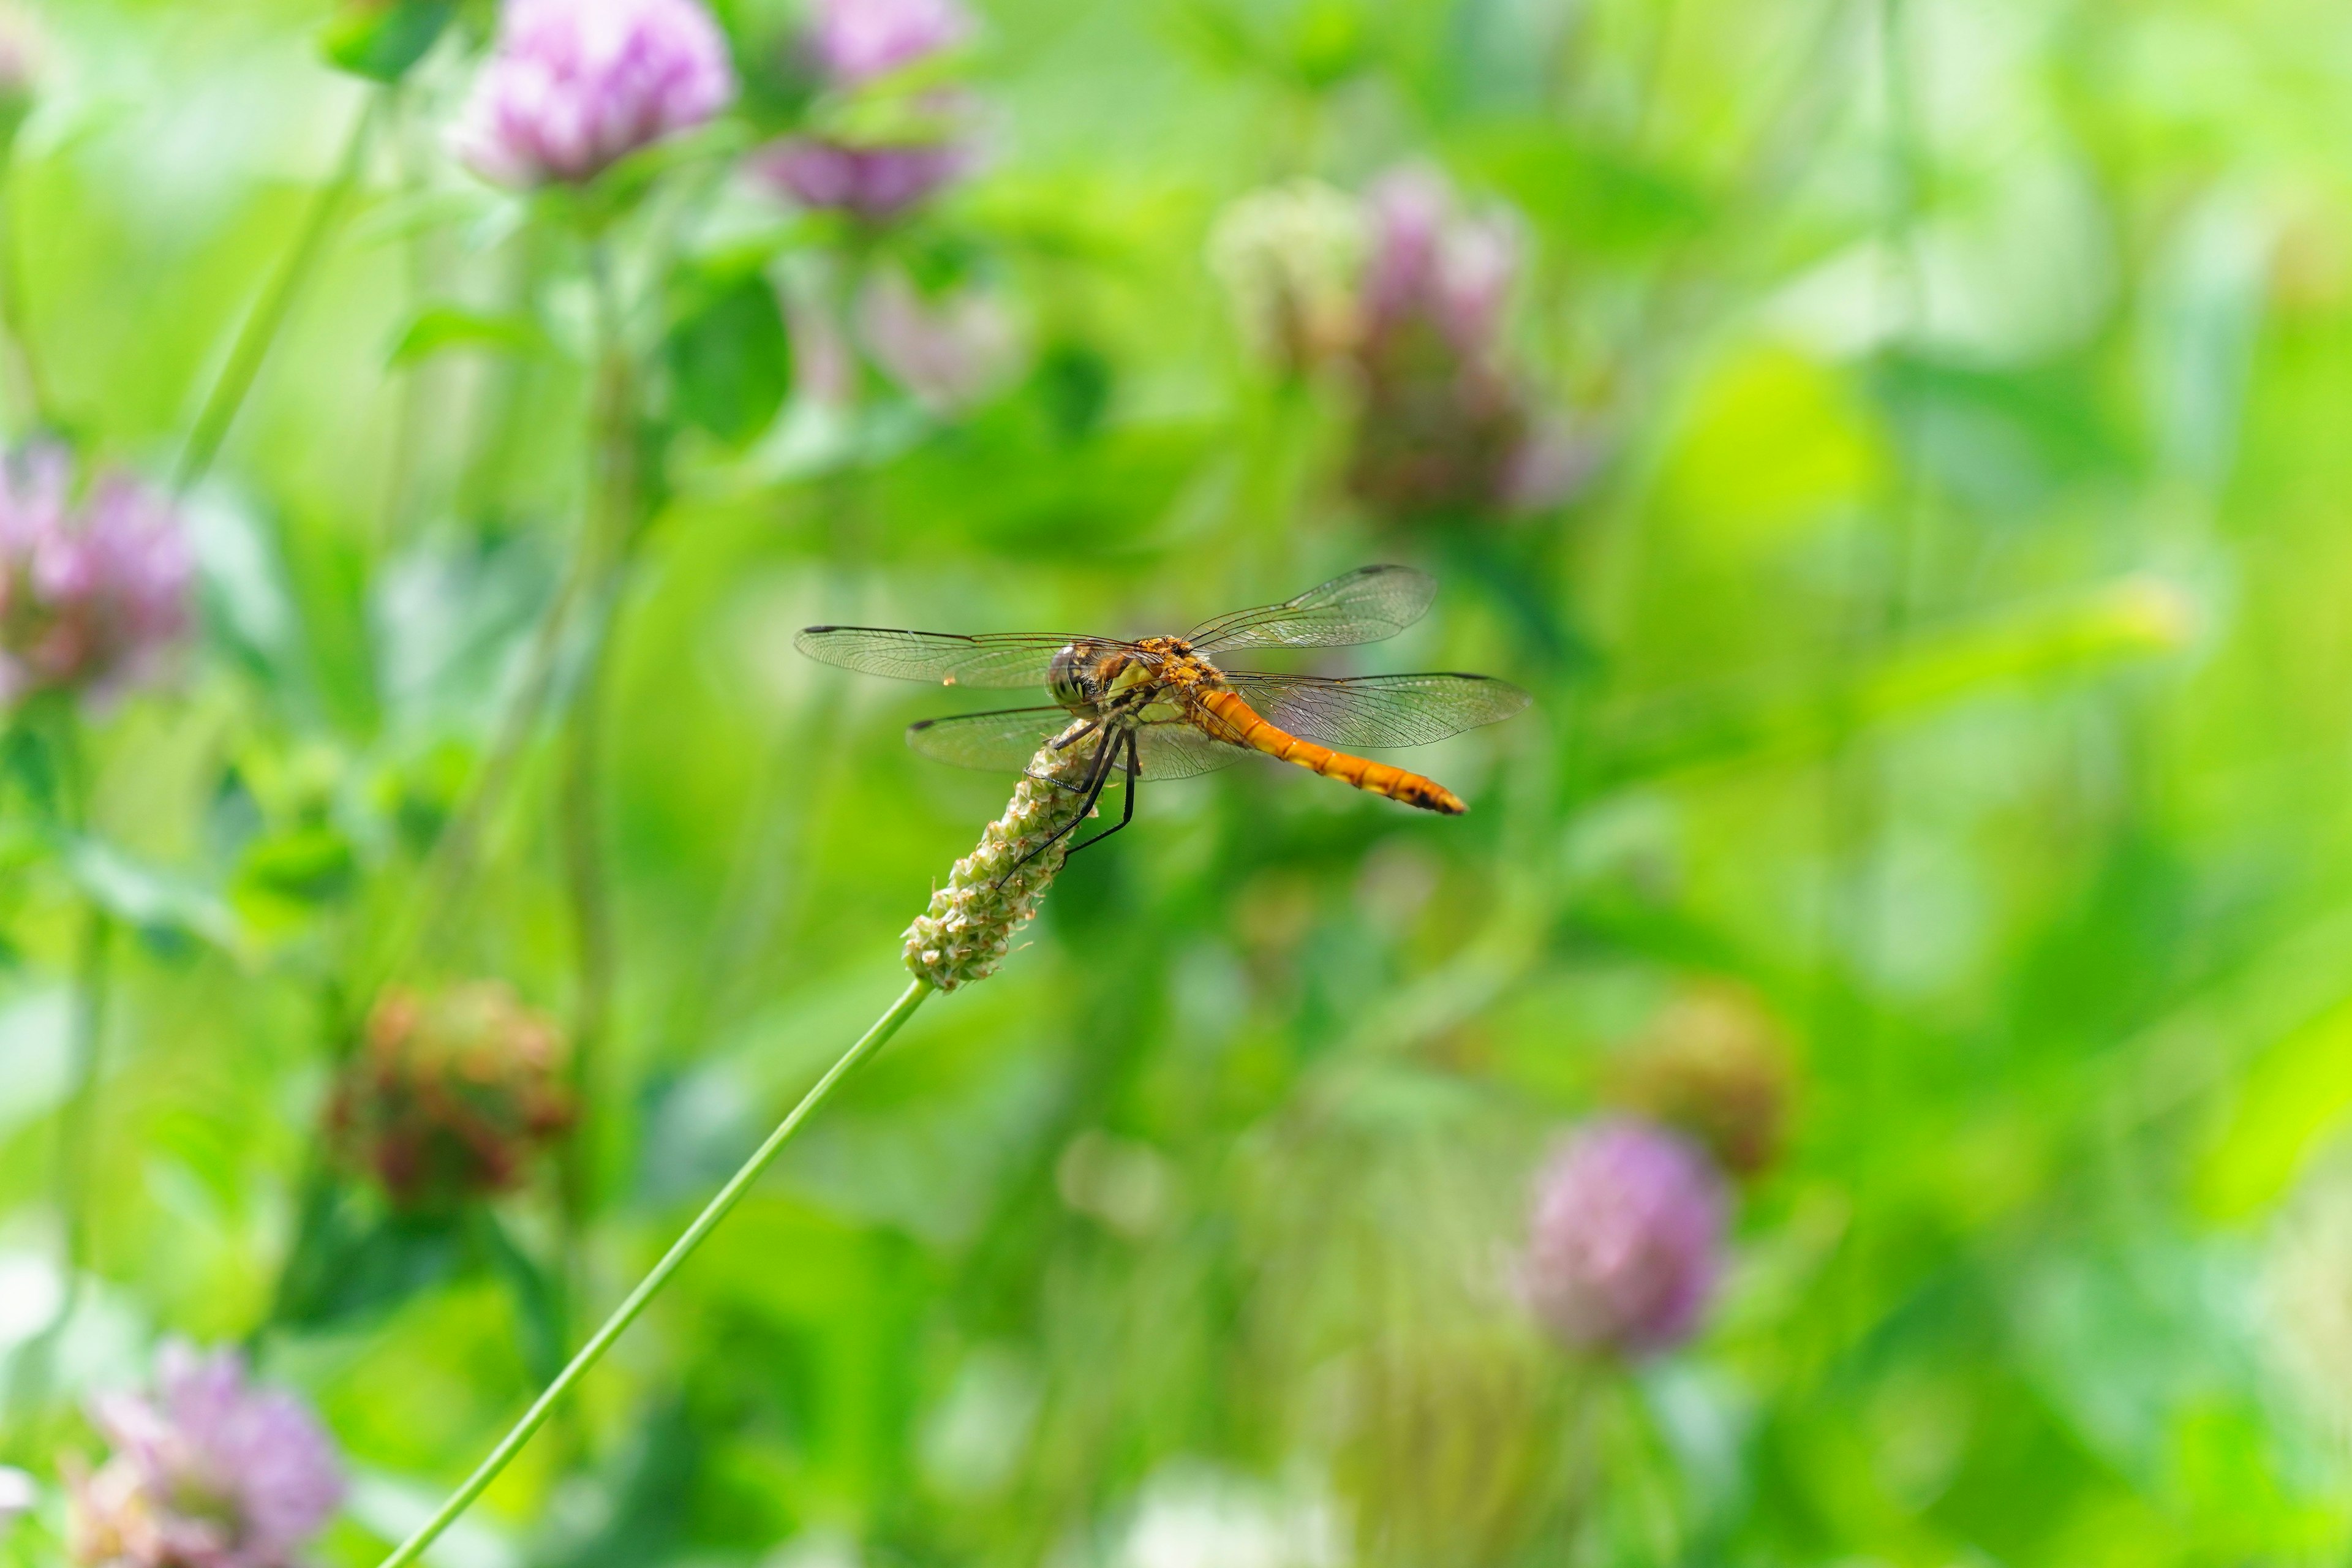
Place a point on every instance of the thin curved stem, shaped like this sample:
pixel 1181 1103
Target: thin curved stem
pixel 680 1251
pixel 261 328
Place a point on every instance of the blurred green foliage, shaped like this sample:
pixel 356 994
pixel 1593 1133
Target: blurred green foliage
pixel 1947 647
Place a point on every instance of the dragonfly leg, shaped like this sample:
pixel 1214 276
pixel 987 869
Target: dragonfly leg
pixel 1134 772
pixel 1098 775
pixel 1072 739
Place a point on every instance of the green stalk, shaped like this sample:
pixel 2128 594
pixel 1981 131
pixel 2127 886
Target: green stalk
pixel 449 863
pixel 671 1261
pixel 261 328
pixel 609 528
pixel 77 1119
pixel 78 1128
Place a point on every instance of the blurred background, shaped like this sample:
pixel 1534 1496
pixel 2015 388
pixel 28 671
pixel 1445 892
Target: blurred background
pixel 1866 1083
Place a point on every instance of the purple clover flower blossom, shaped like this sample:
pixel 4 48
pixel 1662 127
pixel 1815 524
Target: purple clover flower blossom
pixel 854 42
pixel 1433 264
pixel 870 182
pixel 91 598
pixel 206 1472
pixel 1625 1242
pixel 1446 427
pixel 574 86
pixel 857 40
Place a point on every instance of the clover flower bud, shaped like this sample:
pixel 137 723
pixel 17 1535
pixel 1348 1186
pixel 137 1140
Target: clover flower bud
pixel 1625 1240
pixel 1291 259
pixel 574 86
pixel 993 891
pixel 93 596
pixel 451 1094
pixel 206 1472
pixel 857 40
pixel 1714 1065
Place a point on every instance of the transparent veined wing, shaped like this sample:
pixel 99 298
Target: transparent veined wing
pixel 999 742
pixel 999 660
pixel 1008 741
pixel 1377 710
pixel 1175 749
pixel 1367 605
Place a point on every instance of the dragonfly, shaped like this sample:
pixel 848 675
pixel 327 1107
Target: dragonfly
pixel 1166 707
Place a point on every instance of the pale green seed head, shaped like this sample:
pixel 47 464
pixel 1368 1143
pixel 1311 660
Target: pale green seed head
pixel 969 928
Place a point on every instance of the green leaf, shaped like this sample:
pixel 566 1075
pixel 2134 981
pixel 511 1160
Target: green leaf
pixel 383 40
pixel 310 863
pixel 730 361
pixel 249 602
pixel 538 1298
pixel 1073 384
pixel 439 328
pixel 352 1259
pixel 26 763
pixel 145 895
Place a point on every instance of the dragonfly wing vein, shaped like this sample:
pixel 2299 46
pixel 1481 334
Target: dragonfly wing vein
pixel 1378 711
pixel 1175 749
pixel 998 742
pixel 1001 660
pixel 1365 605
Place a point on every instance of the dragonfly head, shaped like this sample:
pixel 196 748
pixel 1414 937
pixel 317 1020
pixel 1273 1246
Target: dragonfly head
pixel 1085 675
pixel 1072 678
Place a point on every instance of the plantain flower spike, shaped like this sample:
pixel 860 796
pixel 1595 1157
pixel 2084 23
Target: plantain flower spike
pixel 994 891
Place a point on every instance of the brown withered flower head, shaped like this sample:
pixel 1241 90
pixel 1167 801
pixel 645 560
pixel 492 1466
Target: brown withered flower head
pixel 450 1094
pixel 1716 1064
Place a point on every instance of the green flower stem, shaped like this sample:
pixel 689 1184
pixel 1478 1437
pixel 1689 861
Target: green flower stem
pixel 595 948
pixel 609 531
pixel 450 861
pixel 77 1119
pixel 261 328
pixel 683 1249
pixel 93 972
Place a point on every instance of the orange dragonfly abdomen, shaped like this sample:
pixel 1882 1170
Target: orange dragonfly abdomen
pixel 1242 726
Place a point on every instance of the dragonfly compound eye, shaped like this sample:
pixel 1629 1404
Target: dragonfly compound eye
pixel 1067 677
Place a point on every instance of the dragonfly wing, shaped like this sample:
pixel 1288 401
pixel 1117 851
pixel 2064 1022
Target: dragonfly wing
pixel 1175 749
pixel 1008 741
pixel 1000 743
pixel 1376 711
pixel 1002 660
pixel 1367 605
